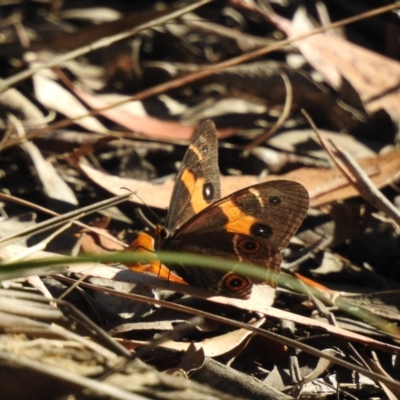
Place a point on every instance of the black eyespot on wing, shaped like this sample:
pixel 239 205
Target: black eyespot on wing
pixel 248 246
pixel 208 192
pixel 236 282
pixel 275 200
pixel 235 285
pixel 261 230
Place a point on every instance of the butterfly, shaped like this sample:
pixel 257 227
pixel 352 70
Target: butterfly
pixel 251 225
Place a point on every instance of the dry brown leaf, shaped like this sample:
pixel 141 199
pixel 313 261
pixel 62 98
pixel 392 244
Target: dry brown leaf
pixel 215 346
pixel 193 359
pixel 291 141
pixel 133 117
pixel 324 186
pixel 159 195
pixel 151 194
pixel 375 77
pixel 96 238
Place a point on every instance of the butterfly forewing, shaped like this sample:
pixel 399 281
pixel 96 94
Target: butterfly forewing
pixel 197 184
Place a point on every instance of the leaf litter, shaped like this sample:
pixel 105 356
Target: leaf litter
pixel 112 105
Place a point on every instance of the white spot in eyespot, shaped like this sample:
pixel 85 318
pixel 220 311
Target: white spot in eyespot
pixel 208 191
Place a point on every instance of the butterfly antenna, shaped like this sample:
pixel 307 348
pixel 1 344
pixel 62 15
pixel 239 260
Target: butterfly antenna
pixel 142 217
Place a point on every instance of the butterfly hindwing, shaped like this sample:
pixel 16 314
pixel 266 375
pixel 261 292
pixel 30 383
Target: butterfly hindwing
pixel 251 225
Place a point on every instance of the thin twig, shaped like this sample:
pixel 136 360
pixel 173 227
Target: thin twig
pixel 285 114
pixel 356 176
pixel 366 187
pixel 63 218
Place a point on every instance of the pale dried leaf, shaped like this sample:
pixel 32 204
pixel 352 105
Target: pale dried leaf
pixel 55 97
pixel 132 116
pixel 53 185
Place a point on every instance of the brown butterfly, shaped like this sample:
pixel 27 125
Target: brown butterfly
pixel 251 225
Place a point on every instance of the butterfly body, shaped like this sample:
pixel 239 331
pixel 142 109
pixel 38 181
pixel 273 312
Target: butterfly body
pixel 251 225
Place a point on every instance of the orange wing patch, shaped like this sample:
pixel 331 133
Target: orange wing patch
pixel 195 188
pixel 238 221
pixel 144 243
